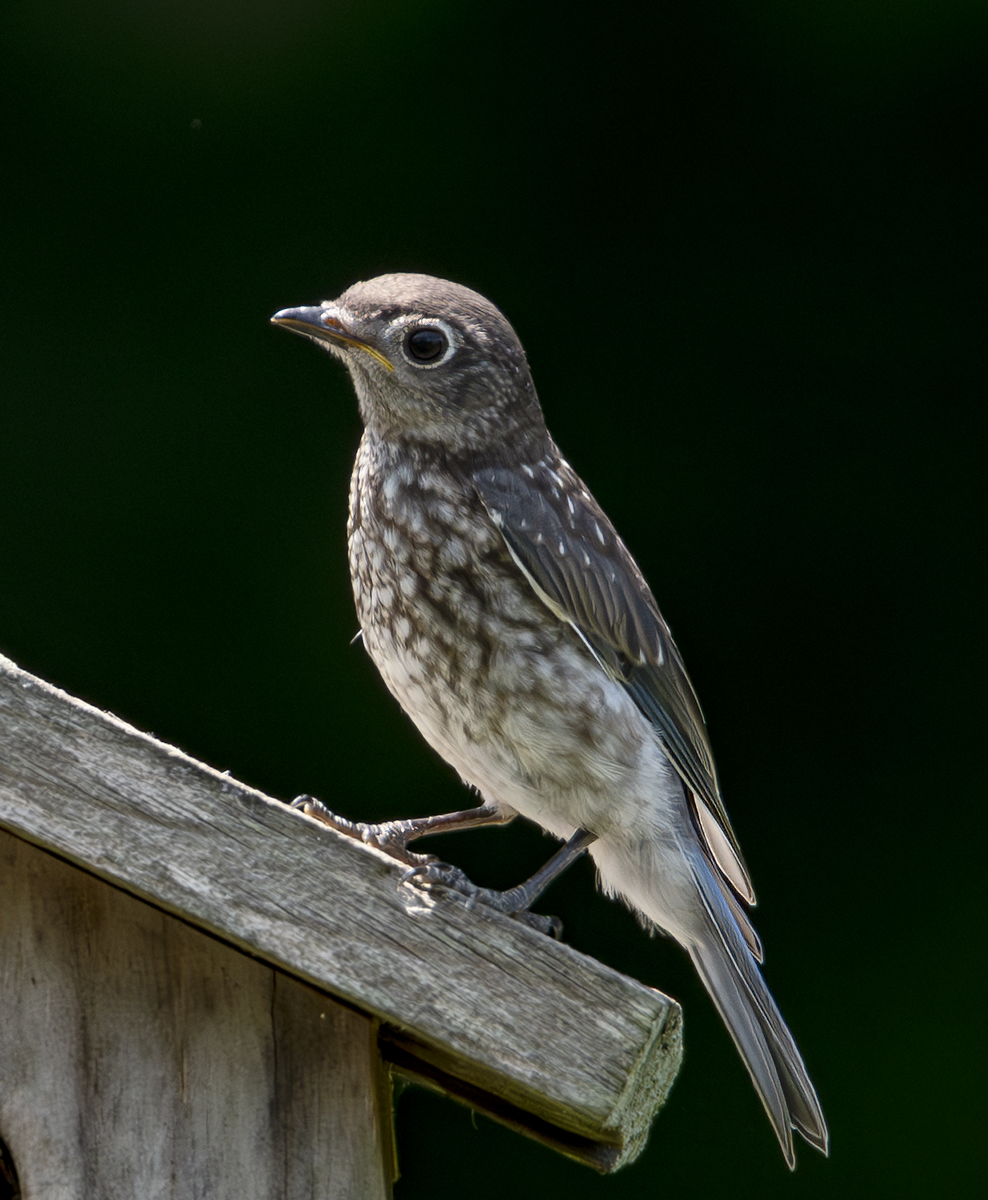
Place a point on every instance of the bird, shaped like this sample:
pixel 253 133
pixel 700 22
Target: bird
pixel 513 626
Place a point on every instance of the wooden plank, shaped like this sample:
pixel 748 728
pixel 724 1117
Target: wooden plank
pixel 508 1020
pixel 140 1057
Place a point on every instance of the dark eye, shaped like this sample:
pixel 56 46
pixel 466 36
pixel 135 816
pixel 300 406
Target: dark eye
pixel 425 343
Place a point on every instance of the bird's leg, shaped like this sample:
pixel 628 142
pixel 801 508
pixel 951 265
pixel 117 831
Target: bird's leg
pixel 393 836
pixel 518 900
pixel 521 898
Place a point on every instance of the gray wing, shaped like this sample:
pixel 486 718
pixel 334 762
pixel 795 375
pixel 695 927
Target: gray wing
pixel 571 555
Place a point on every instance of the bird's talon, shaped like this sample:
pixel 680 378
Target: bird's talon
pixel 434 873
pixel 315 808
pixel 389 836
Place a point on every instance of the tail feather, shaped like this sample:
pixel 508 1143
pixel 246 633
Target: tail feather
pixel 681 892
pixel 731 976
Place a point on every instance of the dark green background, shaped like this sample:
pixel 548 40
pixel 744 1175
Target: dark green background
pixel 742 244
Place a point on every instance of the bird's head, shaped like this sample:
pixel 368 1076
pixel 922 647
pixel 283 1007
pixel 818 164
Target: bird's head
pixel 434 365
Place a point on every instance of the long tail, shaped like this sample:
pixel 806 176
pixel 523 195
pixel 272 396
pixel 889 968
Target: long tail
pixel 731 976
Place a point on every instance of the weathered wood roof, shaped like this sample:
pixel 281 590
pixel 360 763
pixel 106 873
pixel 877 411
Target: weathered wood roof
pixel 505 1019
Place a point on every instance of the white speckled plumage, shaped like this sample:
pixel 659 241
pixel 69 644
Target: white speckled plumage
pixel 484 689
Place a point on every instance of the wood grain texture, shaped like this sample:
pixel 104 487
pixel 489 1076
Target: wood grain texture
pixel 525 1028
pixel 140 1057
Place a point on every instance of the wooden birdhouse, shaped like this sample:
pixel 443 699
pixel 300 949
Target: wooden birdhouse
pixel 203 992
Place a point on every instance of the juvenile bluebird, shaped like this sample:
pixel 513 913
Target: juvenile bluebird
pixel 512 625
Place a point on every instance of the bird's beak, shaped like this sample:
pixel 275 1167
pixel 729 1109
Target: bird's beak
pixel 323 325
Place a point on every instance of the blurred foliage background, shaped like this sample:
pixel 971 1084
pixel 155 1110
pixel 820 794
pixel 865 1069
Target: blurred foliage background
pixel 742 242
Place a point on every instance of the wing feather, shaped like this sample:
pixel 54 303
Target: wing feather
pixel 571 555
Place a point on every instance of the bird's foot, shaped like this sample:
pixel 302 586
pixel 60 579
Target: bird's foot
pixel 513 902
pixel 393 837
pixel 390 836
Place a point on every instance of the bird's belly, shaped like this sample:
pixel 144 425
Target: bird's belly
pixel 535 725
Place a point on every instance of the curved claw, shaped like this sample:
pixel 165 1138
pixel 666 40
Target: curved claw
pixel 301 801
pixel 442 875
pixel 550 926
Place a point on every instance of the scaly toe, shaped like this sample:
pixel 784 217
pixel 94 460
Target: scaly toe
pixel 389 836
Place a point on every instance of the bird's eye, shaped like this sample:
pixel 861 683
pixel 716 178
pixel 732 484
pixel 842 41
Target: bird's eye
pixel 425 343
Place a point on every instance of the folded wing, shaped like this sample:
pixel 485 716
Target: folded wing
pixel 571 555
